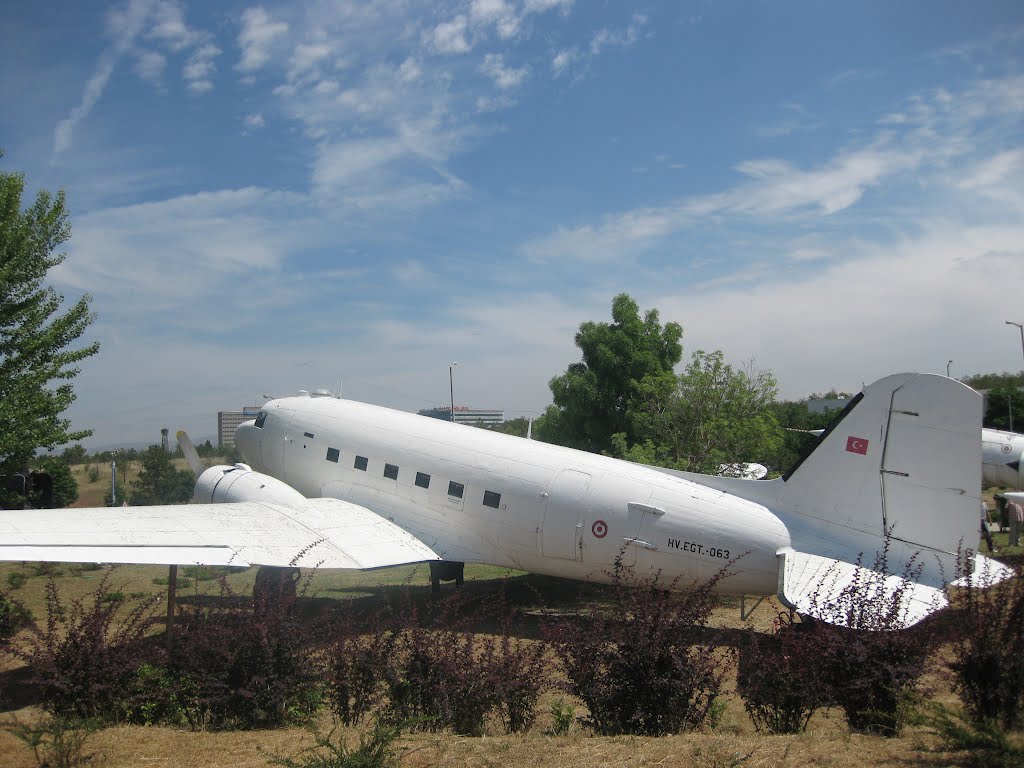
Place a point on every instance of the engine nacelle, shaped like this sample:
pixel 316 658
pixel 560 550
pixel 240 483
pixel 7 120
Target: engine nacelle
pixel 239 483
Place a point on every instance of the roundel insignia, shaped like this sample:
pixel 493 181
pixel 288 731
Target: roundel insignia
pixel 599 529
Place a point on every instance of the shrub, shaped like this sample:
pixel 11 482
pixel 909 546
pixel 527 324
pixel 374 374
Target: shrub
pixel 251 667
pixel 13 616
pixel 563 715
pixel 647 669
pixel 988 664
pixel 56 742
pixel 355 673
pixel 985 742
pixel 93 474
pixel 443 680
pixel 441 676
pixel 155 696
pixel 374 751
pixel 873 661
pixel 16 579
pixel 778 678
pixel 87 653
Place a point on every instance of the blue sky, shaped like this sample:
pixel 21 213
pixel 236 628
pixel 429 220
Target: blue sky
pixel 267 198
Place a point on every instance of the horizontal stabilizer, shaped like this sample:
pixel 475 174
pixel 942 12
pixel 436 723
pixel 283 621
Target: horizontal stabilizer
pixel 820 587
pixel 985 573
pixel 325 533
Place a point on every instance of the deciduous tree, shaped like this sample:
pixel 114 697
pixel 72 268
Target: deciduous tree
pixel 159 481
pixel 38 352
pixel 620 359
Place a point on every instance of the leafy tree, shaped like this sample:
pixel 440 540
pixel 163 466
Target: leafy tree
pixel 593 397
pixel 714 414
pixel 63 483
pixel 37 358
pixel 796 420
pixel 159 481
pixel 993 380
pixel 76 454
pixel 517 426
pixel 1004 400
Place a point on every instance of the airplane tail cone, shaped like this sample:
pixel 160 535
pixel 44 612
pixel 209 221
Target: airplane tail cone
pixel 190 453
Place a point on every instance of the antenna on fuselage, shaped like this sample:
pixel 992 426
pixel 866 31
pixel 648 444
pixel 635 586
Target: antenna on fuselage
pixel 529 429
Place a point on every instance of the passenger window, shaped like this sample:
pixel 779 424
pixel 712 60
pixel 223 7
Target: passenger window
pixel 456 489
pixel 308 434
pixel 260 418
pixel 492 499
pixel 361 462
pixel 422 480
pixel 391 471
pixel 333 454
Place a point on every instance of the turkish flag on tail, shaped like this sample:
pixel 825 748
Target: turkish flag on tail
pixel 857 445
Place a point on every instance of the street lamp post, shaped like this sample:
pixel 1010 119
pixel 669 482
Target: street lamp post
pixel 1009 396
pixel 451 387
pixel 947 368
pixel 1020 326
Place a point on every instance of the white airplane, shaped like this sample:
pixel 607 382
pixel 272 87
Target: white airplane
pixel 332 483
pixel 1001 459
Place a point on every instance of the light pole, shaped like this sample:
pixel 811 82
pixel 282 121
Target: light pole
pixel 947 368
pixel 451 387
pixel 1021 327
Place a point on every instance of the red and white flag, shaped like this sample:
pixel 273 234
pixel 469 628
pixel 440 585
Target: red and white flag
pixel 857 445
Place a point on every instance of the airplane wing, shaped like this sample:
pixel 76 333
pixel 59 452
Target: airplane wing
pixel 814 585
pixel 326 533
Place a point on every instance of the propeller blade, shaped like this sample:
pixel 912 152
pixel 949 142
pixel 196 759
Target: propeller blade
pixel 190 453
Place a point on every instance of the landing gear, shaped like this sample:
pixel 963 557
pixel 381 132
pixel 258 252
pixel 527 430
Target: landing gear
pixel 442 570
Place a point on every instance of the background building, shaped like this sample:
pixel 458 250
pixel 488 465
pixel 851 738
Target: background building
pixel 228 420
pixel 485 417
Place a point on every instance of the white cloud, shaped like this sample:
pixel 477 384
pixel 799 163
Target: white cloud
pixel 450 36
pixel 505 78
pixel 253 122
pixel 150 66
pixel 257 37
pixel 543 6
pixel 306 57
pixel 604 38
pixel 497 13
pixel 882 308
pixel 199 68
pixel 169 27
pixel 410 70
pixel 562 60
pixel 124 25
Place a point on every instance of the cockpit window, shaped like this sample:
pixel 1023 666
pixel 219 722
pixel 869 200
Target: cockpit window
pixel 260 418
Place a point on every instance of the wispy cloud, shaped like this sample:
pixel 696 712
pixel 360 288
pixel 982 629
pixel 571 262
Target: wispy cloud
pixel 257 37
pixel 123 26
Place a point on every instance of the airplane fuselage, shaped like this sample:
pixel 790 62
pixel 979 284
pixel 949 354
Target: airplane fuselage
pixel 479 496
pixel 1001 454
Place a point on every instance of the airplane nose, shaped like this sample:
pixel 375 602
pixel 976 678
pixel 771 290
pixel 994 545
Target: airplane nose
pixel 247 443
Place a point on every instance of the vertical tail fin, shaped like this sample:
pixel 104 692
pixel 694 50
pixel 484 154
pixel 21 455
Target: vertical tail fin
pixel 904 459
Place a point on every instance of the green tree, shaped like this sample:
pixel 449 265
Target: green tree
pixel 797 421
pixel 76 454
pixel 37 355
pixel 517 426
pixel 992 380
pixel 159 481
pixel 63 484
pixel 1004 399
pixel 592 399
pixel 714 414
